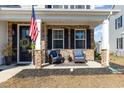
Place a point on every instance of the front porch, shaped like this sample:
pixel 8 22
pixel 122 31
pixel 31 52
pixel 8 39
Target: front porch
pixel 64 30
pixel 64 37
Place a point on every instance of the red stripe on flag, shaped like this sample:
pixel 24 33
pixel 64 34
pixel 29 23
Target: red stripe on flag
pixel 33 32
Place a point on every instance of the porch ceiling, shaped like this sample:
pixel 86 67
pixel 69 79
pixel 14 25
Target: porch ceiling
pixel 90 17
pixel 94 16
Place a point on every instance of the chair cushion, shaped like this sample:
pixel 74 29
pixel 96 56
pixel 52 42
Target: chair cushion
pixel 79 58
pixel 53 53
pixel 77 53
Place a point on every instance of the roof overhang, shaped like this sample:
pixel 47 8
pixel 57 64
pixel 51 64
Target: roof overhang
pixel 58 15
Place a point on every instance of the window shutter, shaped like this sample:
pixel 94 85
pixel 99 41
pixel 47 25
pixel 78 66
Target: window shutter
pixel 117 42
pixel 88 39
pixel 121 21
pixel 14 42
pixel 49 36
pixel 115 23
pixel 72 38
pixel 121 43
pixel 66 38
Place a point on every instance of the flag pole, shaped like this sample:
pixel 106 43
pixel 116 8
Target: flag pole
pixel 33 47
pixel 33 32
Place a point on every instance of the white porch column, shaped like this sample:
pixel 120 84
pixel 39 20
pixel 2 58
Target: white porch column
pixel 38 52
pixel 38 40
pixel 105 43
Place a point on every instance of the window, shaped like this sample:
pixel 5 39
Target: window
pixel 48 6
pixel 87 6
pixel 120 43
pixel 58 6
pixel 118 22
pixel 65 6
pixel 80 6
pixel 72 6
pixel 77 6
pixel 80 39
pixel 58 38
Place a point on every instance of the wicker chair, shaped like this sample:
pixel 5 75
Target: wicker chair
pixel 79 56
pixel 55 57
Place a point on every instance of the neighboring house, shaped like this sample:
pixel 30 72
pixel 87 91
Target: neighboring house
pixel 116 32
pixel 63 27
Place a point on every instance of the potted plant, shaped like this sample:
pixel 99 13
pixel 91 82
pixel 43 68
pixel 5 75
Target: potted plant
pixel 7 53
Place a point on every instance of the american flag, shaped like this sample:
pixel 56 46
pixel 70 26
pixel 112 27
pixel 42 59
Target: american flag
pixel 33 32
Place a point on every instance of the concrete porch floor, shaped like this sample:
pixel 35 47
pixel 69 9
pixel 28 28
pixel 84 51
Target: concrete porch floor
pixel 89 64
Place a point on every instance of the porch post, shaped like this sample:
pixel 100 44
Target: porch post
pixel 105 43
pixel 38 51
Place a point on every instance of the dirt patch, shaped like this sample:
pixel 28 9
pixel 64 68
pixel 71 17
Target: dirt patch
pixel 83 81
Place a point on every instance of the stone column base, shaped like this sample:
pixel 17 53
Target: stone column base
pixel 104 57
pixel 38 58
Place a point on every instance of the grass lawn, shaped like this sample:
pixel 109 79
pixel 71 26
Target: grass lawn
pixel 81 78
pixel 117 60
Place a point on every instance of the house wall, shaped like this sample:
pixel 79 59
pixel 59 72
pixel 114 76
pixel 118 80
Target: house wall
pixel 70 52
pixel 3 38
pixel 116 33
pixel 89 51
pixel 69 28
pixel 12 37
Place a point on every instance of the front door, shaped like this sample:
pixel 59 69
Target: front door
pixel 24 45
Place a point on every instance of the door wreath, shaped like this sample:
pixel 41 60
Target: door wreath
pixel 24 42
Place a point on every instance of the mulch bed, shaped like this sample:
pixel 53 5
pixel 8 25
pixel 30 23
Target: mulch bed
pixel 64 78
pixel 59 72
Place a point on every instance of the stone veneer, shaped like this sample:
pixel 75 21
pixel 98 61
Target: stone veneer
pixel 69 52
pixel 104 57
pixel 38 58
pixel 10 29
pixel 92 39
pixel 40 55
pixel 89 54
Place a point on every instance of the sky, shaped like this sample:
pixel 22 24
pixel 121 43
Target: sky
pixel 98 32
